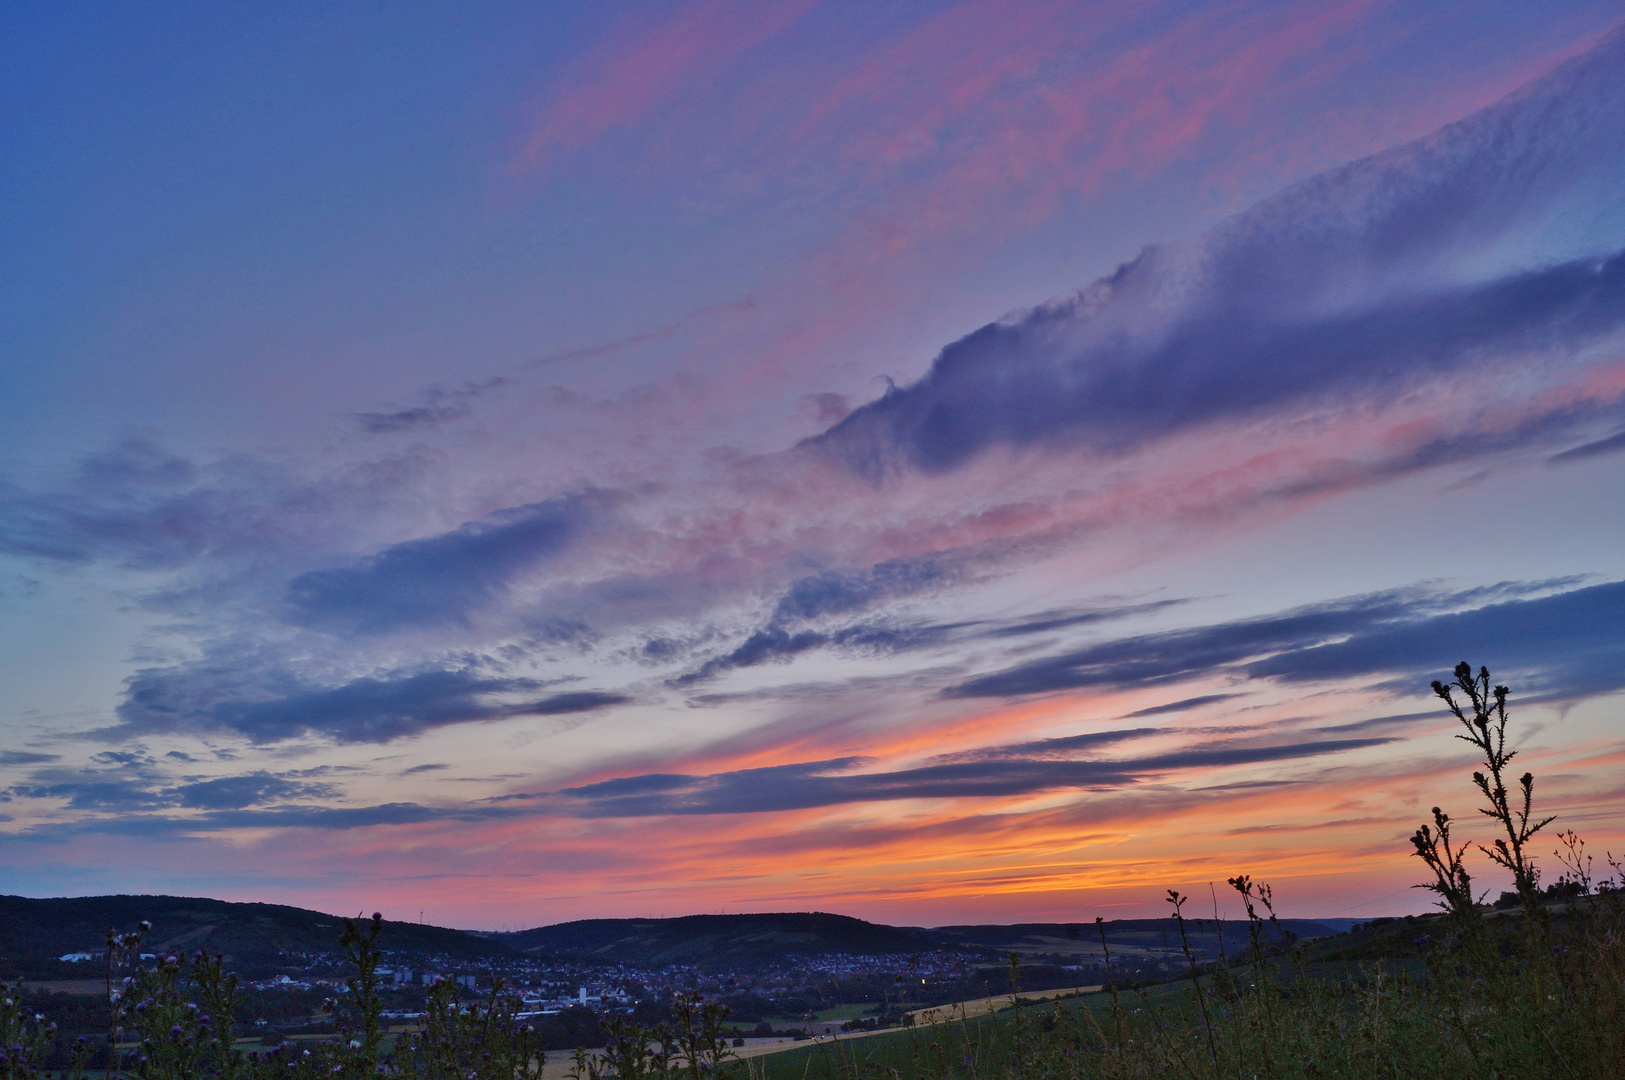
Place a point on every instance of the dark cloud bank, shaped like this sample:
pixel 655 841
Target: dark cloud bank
pixel 373 709
pixel 1346 284
pixel 442 579
pixel 1569 644
pixel 1009 771
pixel 802 619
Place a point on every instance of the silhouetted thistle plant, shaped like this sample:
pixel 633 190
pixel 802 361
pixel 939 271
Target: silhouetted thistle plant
pixel 361 949
pixel 181 1013
pixel 120 949
pixel 486 1041
pixel 632 1052
pixel 1487 731
pixel 697 1029
pixel 1451 880
pixel 1178 904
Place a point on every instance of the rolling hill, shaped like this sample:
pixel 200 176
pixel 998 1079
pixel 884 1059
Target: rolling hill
pixel 34 932
pixel 1130 936
pixel 718 940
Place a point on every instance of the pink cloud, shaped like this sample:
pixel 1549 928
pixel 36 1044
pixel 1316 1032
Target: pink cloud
pixel 970 125
pixel 638 68
pixel 1007 159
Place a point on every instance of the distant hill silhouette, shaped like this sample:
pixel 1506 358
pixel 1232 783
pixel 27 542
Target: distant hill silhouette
pixel 33 930
pixel 748 940
pixel 713 940
pixel 33 933
pixel 1082 937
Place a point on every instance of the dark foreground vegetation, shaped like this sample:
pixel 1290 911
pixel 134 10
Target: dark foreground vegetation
pixel 1532 986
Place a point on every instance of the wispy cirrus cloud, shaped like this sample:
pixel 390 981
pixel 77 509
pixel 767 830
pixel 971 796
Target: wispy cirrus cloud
pixel 1000 772
pixel 250 789
pixel 418 416
pixel 814 598
pixel 140 506
pixel 1182 705
pixel 639 69
pixel 132 782
pixel 289 817
pixel 1613 444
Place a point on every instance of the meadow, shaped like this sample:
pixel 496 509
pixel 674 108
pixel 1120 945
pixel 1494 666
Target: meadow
pixel 1531 986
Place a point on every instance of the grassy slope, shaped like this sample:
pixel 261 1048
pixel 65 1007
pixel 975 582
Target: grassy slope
pixel 987 1036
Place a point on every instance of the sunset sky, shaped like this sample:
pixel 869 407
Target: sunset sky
pixel 934 462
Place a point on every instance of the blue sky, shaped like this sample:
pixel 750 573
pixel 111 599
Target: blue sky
pixel 979 460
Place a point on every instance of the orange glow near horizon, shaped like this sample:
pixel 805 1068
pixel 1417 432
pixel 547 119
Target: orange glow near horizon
pixel 1330 834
